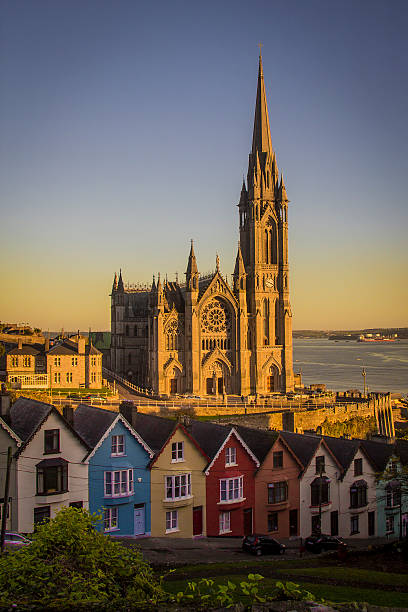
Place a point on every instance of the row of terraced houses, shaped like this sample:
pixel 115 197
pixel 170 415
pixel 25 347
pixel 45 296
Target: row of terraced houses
pixel 148 475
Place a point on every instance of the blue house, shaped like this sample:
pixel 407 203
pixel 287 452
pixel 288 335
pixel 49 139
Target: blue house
pixel 119 478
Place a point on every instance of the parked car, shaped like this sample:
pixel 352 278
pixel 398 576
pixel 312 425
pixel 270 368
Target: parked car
pixel 320 543
pixel 15 541
pixel 262 545
pixel 74 396
pixel 95 398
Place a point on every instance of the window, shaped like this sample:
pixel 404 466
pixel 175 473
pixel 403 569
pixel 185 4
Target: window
pixel 177 452
pixel 110 519
pixel 272 521
pixel 118 445
pixel 57 361
pixel 14 362
pixel 393 494
pixel 57 377
pixel 74 361
pixel 93 377
pixel 52 441
pixel 320 491
pixel 320 464
pixel 358 494
pixel 277 459
pixel 358 467
pixel 225 522
pixel 277 492
pixel 27 362
pixel 52 478
pixel 389 524
pixel 230 456
pixel 119 483
pixel 171 521
pixel 231 489
pixel 354 527
pixel 69 377
pixel 42 514
pixel 77 504
pixel 178 487
pixel 93 361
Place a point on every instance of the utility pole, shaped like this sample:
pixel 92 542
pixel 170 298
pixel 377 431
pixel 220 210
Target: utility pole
pixel 363 373
pixel 6 496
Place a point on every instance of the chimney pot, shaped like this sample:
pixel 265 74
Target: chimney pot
pixel 68 414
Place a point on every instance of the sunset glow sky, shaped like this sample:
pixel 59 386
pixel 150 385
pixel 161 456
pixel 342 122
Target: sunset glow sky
pixel 125 131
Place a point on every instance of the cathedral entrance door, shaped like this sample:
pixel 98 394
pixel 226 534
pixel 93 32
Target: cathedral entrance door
pixel 210 386
pixel 220 385
pixel 173 385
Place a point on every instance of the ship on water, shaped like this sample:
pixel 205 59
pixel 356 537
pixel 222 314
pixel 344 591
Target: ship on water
pixel 376 338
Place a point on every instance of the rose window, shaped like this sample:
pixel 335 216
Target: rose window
pixel 215 318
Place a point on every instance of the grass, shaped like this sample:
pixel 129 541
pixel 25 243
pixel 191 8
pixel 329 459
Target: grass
pixel 351 575
pixel 328 592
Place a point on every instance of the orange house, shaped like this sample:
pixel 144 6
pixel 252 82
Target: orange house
pixel 277 492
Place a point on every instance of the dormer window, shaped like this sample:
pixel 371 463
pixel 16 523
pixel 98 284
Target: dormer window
pixel 358 467
pixel 231 456
pixel 320 467
pixel 51 441
pixel 177 452
pixel 118 446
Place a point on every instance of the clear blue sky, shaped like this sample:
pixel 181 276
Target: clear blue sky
pixel 125 131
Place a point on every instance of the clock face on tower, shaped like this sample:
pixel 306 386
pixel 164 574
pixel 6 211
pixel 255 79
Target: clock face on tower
pixel 269 283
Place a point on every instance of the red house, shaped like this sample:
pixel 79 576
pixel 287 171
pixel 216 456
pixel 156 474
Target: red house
pixel 230 483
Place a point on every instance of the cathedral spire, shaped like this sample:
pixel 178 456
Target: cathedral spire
pixel 239 263
pixel 120 286
pixel 282 191
pixel 261 140
pixel 192 263
pixel 115 283
pixel 153 285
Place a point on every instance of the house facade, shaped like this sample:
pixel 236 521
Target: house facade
pixel 119 477
pixel 178 487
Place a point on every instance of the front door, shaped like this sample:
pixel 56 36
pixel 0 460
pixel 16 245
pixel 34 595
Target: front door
pixel 248 521
pixel 198 521
pixel 210 386
pixel 334 523
pixel 173 385
pixel 139 519
pixel 220 385
pixel 371 523
pixel 293 522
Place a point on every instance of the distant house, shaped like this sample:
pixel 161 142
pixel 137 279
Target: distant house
pixel 119 476
pixel 26 365
pixel 48 471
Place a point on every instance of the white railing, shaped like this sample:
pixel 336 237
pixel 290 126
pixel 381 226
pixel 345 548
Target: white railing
pixel 127 383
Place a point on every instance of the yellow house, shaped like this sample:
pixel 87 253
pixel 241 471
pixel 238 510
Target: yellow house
pixel 178 487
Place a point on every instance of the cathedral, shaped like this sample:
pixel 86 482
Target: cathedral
pixel 206 336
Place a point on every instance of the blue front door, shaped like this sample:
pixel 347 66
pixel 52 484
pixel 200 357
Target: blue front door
pixel 139 518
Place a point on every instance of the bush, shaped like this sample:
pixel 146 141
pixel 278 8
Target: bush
pixel 71 564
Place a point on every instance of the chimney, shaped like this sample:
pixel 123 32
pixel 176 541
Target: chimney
pixel 20 344
pixel 68 414
pixel 81 345
pixel 129 411
pixel 5 404
pixel 47 345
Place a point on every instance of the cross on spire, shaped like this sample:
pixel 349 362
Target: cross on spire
pixel 260 45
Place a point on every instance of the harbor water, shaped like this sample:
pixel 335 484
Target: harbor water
pixel 339 364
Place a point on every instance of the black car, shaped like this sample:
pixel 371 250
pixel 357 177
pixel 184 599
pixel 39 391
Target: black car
pixel 320 543
pixel 262 545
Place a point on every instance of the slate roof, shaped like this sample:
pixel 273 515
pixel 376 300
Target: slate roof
pixel 203 285
pixel 343 449
pixel 26 416
pixel 69 347
pixel 27 349
pixel 154 430
pixel 303 445
pixel 91 422
pixel 260 442
pixel 174 296
pixel 209 436
pixel 379 453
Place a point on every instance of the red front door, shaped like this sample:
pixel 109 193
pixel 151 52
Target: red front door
pixel 197 521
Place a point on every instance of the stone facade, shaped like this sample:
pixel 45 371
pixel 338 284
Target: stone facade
pixel 207 336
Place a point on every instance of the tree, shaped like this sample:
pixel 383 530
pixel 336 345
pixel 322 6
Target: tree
pixel 71 564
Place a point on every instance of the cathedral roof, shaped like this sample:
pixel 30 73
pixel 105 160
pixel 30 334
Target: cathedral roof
pixel 174 296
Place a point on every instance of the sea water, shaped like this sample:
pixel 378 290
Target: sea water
pixel 339 364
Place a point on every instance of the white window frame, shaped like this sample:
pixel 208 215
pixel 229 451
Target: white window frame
pixel 172 521
pixel 179 487
pixel 225 522
pixel 230 456
pixel 118 483
pixel 110 519
pixel 389 522
pixel 177 452
pixel 118 445
pixel 231 490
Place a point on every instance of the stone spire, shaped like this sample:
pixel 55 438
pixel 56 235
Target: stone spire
pixel 192 263
pixel 282 191
pixel 217 263
pixel 115 283
pixel 239 263
pixel 261 140
pixel 120 286
pixel 153 288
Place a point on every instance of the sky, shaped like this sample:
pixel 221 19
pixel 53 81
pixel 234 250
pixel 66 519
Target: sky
pixel 125 132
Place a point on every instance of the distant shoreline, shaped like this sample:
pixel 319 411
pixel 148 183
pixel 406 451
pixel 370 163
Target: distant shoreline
pixel 352 334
